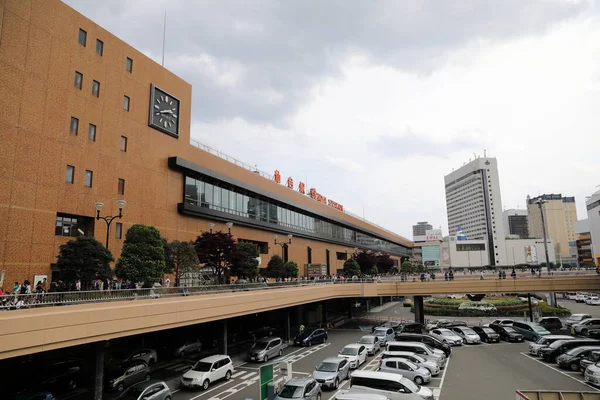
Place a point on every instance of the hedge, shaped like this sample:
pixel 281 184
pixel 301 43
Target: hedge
pixel 504 311
pixel 497 301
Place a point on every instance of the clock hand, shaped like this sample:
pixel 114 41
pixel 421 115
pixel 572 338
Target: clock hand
pixel 166 112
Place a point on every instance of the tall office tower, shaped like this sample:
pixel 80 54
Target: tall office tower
pixel 515 223
pixel 592 205
pixel 420 229
pixel 560 216
pixel 473 203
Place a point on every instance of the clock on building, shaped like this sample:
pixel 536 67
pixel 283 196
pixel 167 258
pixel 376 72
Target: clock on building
pixel 164 111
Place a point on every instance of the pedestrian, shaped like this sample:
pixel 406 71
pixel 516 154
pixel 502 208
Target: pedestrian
pixel 78 285
pixel 481 277
pixel 446 275
pixel 513 274
pixel 451 275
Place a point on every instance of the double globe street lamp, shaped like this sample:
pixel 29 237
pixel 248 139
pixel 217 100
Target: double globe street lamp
pixel 283 244
pixel 109 219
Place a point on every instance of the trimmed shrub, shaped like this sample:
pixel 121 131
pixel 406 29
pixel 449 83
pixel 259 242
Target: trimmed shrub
pixel 440 310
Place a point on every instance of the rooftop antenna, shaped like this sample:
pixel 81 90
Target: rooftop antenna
pixel 164 37
pixel 484 153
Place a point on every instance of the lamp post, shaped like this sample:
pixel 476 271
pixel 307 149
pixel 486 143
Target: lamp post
pixel 229 225
pixel 211 226
pixel 540 202
pixel 283 245
pixel 109 219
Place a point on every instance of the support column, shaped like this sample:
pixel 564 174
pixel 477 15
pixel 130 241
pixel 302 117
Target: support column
pixel 224 336
pixel 324 314
pixel 99 379
pixel 552 300
pixel 530 308
pixel 368 305
pixel 381 300
pixel 349 304
pixel 288 326
pixel 419 310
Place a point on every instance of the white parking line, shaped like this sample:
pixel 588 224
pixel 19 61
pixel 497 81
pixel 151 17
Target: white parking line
pixel 247 376
pixel 438 390
pixel 561 372
pixel 238 374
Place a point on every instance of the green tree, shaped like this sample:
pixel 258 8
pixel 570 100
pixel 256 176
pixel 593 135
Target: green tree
pixel 407 267
pixel 84 258
pixel 366 260
pixel 243 261
pixel 351 268
pixel 291 269
pixel 384 263
pixel 215 250
pixel 419 268
pixel 181 258
pixel 275 267
pixel 143 256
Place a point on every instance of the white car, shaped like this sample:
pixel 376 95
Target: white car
pixel 502 321
pixel 371 342
pixel 355 353
pixel 592 300
pixel 433 368
pixel 207 371
pixel 447 336
pixel 385 335
pixel 467 334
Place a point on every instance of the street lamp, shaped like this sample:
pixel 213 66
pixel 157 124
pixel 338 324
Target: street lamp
pixel 229 225
pixel 211 226
pixel 284 244
pixel 540 202
pixel 109 219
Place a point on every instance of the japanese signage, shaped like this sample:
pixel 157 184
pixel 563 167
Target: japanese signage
pixel 312 192
pixel 433 235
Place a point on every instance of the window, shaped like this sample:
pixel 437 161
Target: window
pixel 341 256
pixel 123 143
pixel 70 178
pixel 74 128
pixel 99 47
pixel 126 103
pixel 121 187
pixel 95 88
pixel 82 37
pixel 119 230
pixel 88 178
pixel 78 81
pixel 129 65
pixel 73 225
pixel 92 132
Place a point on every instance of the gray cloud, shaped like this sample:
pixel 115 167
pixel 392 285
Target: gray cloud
pixel 411 144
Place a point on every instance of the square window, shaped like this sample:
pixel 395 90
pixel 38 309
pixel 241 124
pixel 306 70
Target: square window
pixel 95 88
pixel 99 47
pixel 70 178
pixel 88 178
pixel 123 143
pixel 92 132
pixel 74 128
pixel 126 103
pixel 119 231
pixel 82 37
pixel 78 81
pixel 121 187
pixel 129 65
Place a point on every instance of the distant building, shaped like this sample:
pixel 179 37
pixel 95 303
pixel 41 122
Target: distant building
pixel 420 230
pixel 515 223
pixel 592 205
pixel 560 216
pixel 583 242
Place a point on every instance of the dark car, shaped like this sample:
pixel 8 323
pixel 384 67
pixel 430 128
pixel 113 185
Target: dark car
pixel 559 347
pixel 594 333
pixel 262 332
pixel 427 339
pixel 410 327
pixel 60 377
pixel 451 324
pixel 507 333
pixel 486 334
pixel 570 359
pixel 551 323
pixel 386 324
pixel 310 337
pixel 120 379
pixel 35 396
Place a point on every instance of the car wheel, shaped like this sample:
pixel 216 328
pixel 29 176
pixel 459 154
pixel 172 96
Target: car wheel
pixel 120 387
pixel 535 339
pixel 266 359
pixel 418 380
pixel 72 384
pixel 584 332
pixel 336 384
pixel 309 343
pixel 168 398
pixel 280 352
pixel 205 384
pixel 574 366
pixel 318 396
pixel 228 375
pixel 147 377
pixel 324 339
pixel 152 361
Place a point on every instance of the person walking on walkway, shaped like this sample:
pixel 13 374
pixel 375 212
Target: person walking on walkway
pixel 513 274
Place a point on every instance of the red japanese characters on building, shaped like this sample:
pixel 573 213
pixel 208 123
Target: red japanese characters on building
pixel 317 196
pixel 290 183
pixel 312 192
pixel 335 205
pixel 277 176
pixel 302 188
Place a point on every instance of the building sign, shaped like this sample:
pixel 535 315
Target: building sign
pixel 312 192
pixel 531 254
pixel 433 235
pixel 316 270
pixel 431 252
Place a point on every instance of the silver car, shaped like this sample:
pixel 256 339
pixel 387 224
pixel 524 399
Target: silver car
pixel 266 348
pixel 415 358
pixel 331 372
pixel 546 341
pixel 447 336
pixel 372 344
pixel 300 389
pixel 155 390
pixel 418 375
pixel 467 334
pixel 385 335
pixel 190 346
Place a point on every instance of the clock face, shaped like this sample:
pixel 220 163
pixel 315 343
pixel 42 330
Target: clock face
pixel 164 112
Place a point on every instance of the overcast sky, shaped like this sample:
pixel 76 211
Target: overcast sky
pixel 373 102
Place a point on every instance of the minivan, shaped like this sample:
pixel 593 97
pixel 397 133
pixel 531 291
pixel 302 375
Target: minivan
pixel 266 348
pixel 419 348
pixel 394 386
pixel 530 330
pixel 427 339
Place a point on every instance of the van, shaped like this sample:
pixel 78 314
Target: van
pixel 419 348
pixel 530 330
pixel 394 386
pixel 427 339
pixel 266 348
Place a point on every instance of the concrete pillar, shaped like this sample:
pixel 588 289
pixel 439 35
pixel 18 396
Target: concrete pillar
pixel 381 300
pixel 99 378
pixel 288 326
pixel 419 310
pixel 552 300
pixel 324 314
pixel 349 305
pixel 224 336
pixel 368 305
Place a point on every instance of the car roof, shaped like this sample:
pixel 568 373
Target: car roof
pixel 377 374
pixel 382 328
pixel 299 381
pixel 407 343
pixel 354 395
pixel 578 315
pixel 214 358
pixel 368 336
pixel 334 359
pixel 527 323
pixel 559 337
pixel 444 330
pixel 267 338
pixel 354 345
pixel 399 359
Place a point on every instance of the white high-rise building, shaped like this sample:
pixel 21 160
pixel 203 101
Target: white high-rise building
pixel 474 206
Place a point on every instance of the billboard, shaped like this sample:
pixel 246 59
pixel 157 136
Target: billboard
pixel 433 235
pixel 430 252
pixel 531 254
pixel 445 257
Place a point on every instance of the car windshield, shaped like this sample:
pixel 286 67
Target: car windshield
pixel 133 393
pixel 538 328
pixel 259 345
pixel 307 333
pixel 575 351
pixel 291 392
pixel 542 340
pixel 349 351
pixel 509 329
pixel 489 330
pixel 446 332
pixel 417 358
pixel 380 332
pixel 202 366
pixel 327 367
pixel 577 317
pixel 468 331
pixel 557 344
pixel 367 340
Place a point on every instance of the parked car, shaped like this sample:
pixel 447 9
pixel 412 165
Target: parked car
pixel 592 374
pixel 407 303
pixel 266 348
pixel 386 324
pixel 443 323
pixel 190 346
pixel 120 379
pixel 418 375
pixel 331 372
pixel 502 321
pixel 551 323
pixel 486 334
pixel 207 371
pixel 384 334
pixel 311 336
pixel 581 296
pixel 559 347
pixel 570 359
pixel 301 389
pixel 592 300
pixel 59 377
pixel 546 341
pixel 530 330
pixel 584 326
pixel 575 319
pixel 122 359
pixel 35 396
pixel 432 366
pixel 447 336
pixel 155 390
pixel 467 334
pixel 395 386
pixel 590 359
pixel 434 342
pixel 371 342
pixel 419 348
pixel 409 327
pixel 507 333
pixel 355 353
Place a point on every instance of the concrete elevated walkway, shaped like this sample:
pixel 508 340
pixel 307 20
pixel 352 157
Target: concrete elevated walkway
pixel 40 329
